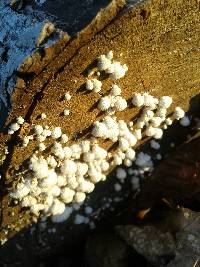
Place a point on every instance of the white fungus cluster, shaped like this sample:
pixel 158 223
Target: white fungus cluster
pixel 63 177
pixel 114 69
pixel 16 125
pixel 144 160
pixel 110 128
pixel 151 124
pixel 94 85
pixel 143 165
pixel 113 102
pixel 145 100
pixel 59 175
pixel 153 119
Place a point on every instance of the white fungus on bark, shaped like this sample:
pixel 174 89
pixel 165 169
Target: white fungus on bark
pixel 115 90
pixel 58 179
pixel 165 102
pixel 41 147
pixel 38 129
pixel 63 216
pixel 114 69
pixel 138 100
pixel 179 113
pixel 117 71
pixel 168 121
pixel 104 62
pixel 43 116
pixel 120 103
pixel 66 112
pixel 56 132
pixel 64 138
pixel 67 96
pixel 94 85
pixel 20 120
pixel 26 139
pixel 105 103
pixel 13 128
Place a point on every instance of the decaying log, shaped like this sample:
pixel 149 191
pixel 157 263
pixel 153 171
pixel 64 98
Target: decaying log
pixel 158 40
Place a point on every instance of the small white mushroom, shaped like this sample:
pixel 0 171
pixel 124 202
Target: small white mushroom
pixel 56 133
pixel 117 187
pixel 104 62
pixel 41 147
pixel 138 100
pixel 154 144
pixel 63 216
pixel 104 103
pixel 115 90
pixel 66 112
pixel 79 197
pixel 43 116
pixel 120 103
pixel 67 96
pixel 185 121
pixel 165 102
pixel 179 113
pixel 20 120
pixel 67 195
pixel 118 71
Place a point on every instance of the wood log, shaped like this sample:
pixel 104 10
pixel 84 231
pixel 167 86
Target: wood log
pixel 158 40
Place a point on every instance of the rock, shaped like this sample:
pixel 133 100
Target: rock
pixel 187 241
pixel 156 246
pixel 106 250
pixel 156 242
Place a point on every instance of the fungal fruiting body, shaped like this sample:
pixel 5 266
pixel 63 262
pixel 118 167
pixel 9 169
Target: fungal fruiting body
pixel 61 176
pixel 178 113
pixel 93 85
pixel 67 96
pixel 185 121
